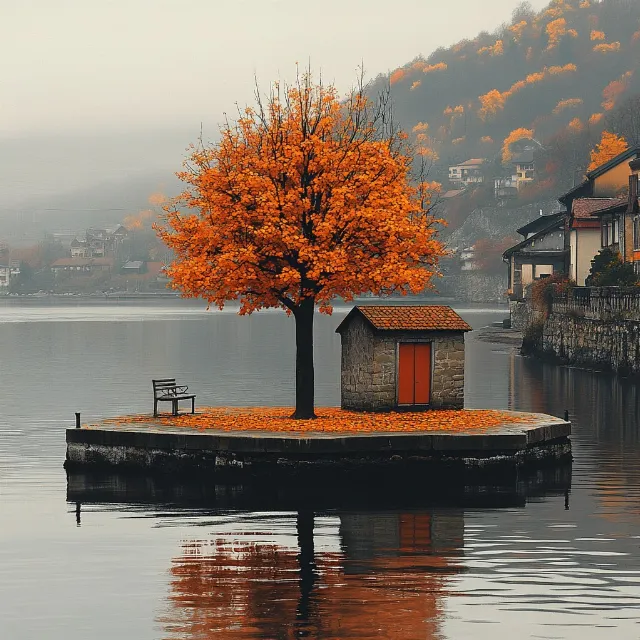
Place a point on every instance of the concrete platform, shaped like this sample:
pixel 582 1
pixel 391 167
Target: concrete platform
pixel 159 446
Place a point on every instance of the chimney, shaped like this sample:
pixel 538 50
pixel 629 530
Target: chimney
pixel 633 185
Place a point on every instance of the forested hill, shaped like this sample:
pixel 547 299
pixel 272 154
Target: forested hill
pixel 559 75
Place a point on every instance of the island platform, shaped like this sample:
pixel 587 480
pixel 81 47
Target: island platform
pixel 248 443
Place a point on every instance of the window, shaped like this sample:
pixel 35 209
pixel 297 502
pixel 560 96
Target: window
pixel 615 234
pixel 604 236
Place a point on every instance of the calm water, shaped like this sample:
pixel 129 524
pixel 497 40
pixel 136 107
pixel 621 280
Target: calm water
pixel 143 561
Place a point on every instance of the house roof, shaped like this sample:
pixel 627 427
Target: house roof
pixel 587 207
pixel 408 318
pixel 472 162
pixel 556 223
pixel 133 264
pixel 541 222
pixel 598 171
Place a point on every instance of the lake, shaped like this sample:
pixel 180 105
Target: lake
pixel 144 560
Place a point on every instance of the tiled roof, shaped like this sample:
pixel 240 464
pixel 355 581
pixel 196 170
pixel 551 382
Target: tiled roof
pixel 413 318
pixel 586 207
pixel 471 162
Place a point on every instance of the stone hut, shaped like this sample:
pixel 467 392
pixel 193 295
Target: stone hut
pixel 402 357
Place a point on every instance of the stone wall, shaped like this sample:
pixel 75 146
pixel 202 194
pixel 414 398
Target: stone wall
pixel 369 361
pixel 597 328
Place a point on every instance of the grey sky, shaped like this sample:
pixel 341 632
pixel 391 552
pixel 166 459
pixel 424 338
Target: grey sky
pixel 117 65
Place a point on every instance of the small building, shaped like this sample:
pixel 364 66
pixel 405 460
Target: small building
pixel 402 357
pixel 469 172
pixel 134 266
pixel 541 253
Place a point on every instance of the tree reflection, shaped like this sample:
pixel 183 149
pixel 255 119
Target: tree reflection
pixel 387 579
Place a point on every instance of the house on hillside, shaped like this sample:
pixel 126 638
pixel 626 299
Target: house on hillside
pixel 542 253
pixel 620 222
pixel 98 243
pixel 596 214
pixel 524 168
pixel 469 172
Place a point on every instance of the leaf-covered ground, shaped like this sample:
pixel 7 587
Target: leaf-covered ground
pixel 330 420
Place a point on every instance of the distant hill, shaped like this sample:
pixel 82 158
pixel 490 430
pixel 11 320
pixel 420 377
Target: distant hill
pixel 564 69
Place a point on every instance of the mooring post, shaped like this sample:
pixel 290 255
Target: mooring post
pixel 77 419
pixel 566 415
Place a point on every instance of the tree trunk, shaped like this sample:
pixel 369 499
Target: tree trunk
pixel 304 360
pixel 308 577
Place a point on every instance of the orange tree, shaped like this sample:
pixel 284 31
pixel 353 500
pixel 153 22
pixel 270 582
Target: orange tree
pixel 304 198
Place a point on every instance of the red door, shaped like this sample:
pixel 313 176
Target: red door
pixel 414 373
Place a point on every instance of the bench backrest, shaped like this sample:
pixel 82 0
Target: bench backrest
pixel 163 385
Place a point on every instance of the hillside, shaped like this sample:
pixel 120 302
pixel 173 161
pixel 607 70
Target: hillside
pixel 561 75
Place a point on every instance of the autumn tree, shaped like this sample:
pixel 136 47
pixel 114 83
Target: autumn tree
pixel 305 198
pixel 608 148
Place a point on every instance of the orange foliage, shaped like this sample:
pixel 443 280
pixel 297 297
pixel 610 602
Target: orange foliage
pixel 428 153
pixel 138 220
pixel 608 148
pixel 491 103
pixel 573 33
pixel 556 30
pixel 258 237
pixel 595 118
pixel 570 103
pixel 518 29
pixel 496 50
pixel 333 420
pixel 396 76
pixel 421 126
pixel 607 48
pixel 486 140
pixel 440 66
pixel 514 136
pixel 576 125
pixel 532 78
pixel 458 141
pixel 567 68
pixel 415 85
pixel 614 90
pixel 636 36
pixel 585 4
pixel 597 35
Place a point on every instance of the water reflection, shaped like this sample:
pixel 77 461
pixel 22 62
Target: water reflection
pixel 385 578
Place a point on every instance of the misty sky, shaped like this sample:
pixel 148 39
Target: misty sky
pixel 74 65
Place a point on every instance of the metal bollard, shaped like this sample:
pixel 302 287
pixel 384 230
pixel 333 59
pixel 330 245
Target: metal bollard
pixel 566 415
pixel 77 419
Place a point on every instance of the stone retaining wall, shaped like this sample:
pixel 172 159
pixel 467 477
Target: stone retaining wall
pixel 591 327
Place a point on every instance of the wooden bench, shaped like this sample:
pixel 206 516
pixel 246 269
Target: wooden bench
pixel 166 390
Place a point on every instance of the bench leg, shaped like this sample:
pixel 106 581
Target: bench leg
pixel 193 405
pixel 155 408
pixel 174 404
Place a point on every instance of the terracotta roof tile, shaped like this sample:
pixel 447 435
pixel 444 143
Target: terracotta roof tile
pixel 413 318
pixel 586 207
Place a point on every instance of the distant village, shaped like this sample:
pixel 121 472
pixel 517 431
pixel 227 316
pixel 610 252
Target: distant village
pixel 96 261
